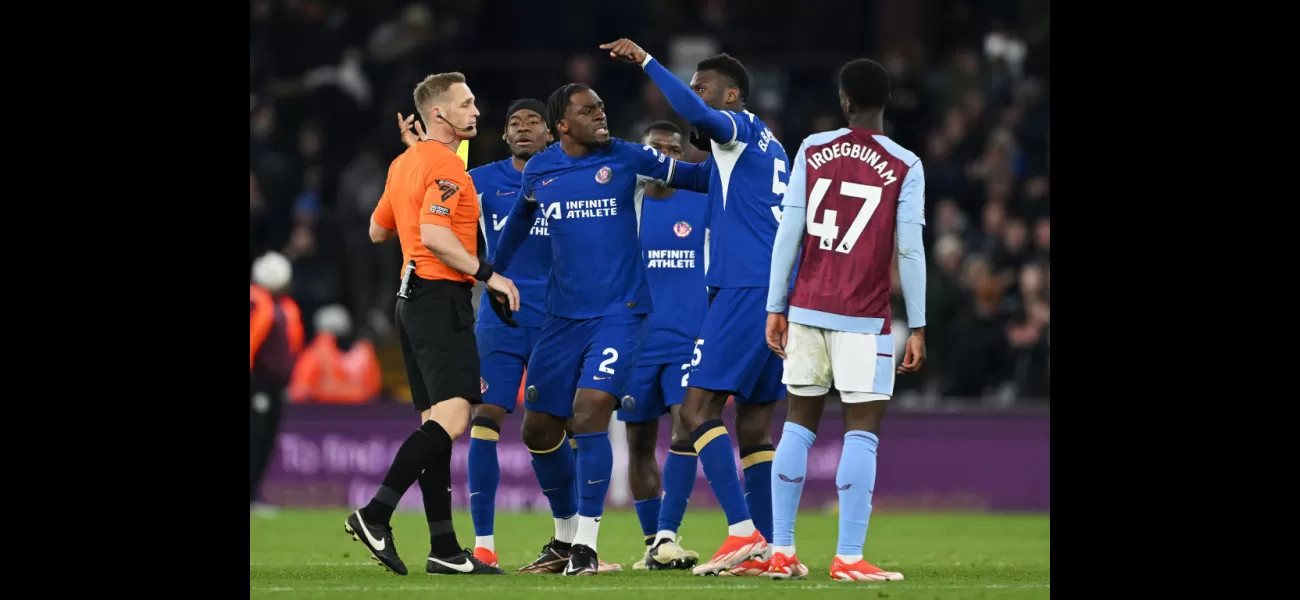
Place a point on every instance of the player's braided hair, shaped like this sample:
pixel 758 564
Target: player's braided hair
pixel 559 101
pixel 727 66
pixel 866 83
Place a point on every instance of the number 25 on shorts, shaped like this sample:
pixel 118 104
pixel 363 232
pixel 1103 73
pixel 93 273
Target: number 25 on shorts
pixel 695 362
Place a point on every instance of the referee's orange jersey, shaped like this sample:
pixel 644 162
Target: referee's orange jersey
pixel 428 184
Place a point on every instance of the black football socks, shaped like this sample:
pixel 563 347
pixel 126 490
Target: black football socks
pixel 419 451
pixel 435 487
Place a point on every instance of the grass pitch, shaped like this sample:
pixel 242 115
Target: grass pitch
pixel 305 554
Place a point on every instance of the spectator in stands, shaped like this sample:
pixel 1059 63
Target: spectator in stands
pixel 978 360
pixel 273 273
pixel 334 369
pixel 1043 240
pixel 946 300
pixel 270 364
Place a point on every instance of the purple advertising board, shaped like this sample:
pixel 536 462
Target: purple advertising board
pixel 982 461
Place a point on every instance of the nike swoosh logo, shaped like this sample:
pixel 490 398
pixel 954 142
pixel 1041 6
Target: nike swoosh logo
pixel 504 193
pixel 547 181
pixel 464 567
pixel 472 494
pixel 549 490
pixel 378 545
pixel 590 482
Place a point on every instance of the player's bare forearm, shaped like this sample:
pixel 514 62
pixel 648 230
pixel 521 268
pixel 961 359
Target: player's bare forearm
pixel 380 234
pixel 444 245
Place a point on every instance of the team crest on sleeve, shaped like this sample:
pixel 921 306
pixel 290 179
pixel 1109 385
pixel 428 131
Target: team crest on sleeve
pixel 482 385
pixel 448 189
pixel 682 229
pixel 604 175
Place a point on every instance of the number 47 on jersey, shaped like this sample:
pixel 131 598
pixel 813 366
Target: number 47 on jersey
pixel 827 229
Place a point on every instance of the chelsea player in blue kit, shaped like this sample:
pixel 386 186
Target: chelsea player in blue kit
pixel 673 224
pixel 503 351
pixel 597 298
pixel 731 355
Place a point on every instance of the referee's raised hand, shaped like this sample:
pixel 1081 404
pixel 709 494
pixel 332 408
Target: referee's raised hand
pixel 504 290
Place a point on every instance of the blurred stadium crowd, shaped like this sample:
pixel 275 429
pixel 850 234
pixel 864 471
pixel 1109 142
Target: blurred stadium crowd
pixel 971 96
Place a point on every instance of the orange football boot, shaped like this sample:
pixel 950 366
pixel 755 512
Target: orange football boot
pixel 861 571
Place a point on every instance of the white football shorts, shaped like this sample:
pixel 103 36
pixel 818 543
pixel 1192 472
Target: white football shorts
pixel 860 365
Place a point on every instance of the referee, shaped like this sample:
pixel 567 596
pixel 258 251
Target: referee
pixel 430 204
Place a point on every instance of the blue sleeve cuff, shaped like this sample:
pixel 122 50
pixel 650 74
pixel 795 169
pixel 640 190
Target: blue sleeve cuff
pixel 784 253
pixel 911 271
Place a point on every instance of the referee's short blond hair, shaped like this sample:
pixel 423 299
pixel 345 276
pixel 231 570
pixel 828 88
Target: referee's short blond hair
pixel 431 90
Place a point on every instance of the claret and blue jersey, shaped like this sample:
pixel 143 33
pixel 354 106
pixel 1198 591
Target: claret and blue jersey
pixel 863 197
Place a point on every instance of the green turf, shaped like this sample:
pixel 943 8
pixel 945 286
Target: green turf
pixel 306 554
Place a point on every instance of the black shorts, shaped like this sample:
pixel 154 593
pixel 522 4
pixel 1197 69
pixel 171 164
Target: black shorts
pixel 436 329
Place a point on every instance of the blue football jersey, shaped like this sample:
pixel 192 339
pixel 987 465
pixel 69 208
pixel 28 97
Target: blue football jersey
pixel 672 237
pixel 749 177
pixel 745 192
pixel 589 207
pixel 498 187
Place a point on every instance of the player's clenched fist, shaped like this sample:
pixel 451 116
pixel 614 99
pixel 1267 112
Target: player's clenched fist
pixel 778 332
pixel 625 50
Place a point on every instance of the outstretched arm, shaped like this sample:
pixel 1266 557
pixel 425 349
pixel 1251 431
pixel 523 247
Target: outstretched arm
pixel 691 176
pixel 718 125
pixel 695 177
pixel 667 170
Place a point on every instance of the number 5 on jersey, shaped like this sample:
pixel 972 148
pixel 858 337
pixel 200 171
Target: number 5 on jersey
pixel 827 229
pixel 778 188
